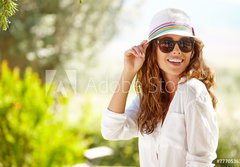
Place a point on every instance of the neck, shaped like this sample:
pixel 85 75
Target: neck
pixel 171 83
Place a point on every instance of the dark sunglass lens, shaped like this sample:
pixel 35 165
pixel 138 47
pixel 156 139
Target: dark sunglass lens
pixel 166 45
pixel 186 44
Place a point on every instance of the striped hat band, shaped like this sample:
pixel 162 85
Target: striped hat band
pixel 168 27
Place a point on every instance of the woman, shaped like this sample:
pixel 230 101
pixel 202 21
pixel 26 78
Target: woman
pixel 173 114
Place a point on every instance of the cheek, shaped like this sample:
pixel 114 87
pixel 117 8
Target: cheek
pixel 160 62
pixel 160 59
pixel 188 58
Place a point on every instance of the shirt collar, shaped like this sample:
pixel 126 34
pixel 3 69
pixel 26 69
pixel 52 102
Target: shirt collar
pixel 182 80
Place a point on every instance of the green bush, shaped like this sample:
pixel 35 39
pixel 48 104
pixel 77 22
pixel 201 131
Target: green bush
pixel 228 93
pixel 32 127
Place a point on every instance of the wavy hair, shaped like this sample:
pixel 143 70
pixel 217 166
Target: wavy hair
pixel 154 99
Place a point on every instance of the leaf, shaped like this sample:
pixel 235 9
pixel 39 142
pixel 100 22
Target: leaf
pixel 7 9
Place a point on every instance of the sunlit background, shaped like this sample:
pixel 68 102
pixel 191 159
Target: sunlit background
pixel 61 60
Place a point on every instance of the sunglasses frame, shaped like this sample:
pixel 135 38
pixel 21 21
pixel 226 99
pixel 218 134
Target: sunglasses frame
pixel 174 43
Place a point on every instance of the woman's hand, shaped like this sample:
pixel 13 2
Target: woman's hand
pixel 134 58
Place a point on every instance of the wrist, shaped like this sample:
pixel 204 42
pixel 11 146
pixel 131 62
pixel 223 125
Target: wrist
pixel 128 75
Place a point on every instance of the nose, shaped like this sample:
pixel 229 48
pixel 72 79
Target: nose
pixel 176 50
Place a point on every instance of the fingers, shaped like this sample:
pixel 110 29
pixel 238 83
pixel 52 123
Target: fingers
pixel 145 45
pixel 135 50
pixel 144 42
pixel 138 50
pixel 131 52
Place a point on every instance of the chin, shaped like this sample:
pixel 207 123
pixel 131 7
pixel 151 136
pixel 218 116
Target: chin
pixel 174 72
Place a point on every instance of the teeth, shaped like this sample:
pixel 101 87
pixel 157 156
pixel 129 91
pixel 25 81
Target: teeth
pixel 175 60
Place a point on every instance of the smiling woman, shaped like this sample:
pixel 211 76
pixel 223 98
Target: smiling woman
pixel 173 114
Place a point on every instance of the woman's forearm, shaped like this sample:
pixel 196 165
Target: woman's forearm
pixel 119 98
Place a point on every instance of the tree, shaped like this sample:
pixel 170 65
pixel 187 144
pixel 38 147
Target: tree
pixel 7 9
pixel 48 34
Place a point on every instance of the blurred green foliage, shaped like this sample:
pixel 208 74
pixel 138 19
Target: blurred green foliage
pixel 7 9
pixel 51 34
pixel 228 94
pixel 32 131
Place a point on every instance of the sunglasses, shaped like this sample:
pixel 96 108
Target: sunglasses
pixel 167 44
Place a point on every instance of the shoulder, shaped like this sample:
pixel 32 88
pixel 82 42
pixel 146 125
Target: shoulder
pixel 193 89
pixel 195 85
pixel 196 96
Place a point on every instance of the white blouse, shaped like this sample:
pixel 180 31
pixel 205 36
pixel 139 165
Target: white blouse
pixel 187 138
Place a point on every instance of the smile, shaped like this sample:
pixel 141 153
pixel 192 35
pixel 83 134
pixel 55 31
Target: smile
pixel 175 60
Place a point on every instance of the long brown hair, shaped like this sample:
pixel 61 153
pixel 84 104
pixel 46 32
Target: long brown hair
pixel 154 99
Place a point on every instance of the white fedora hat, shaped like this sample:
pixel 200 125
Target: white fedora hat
pixel 170 21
